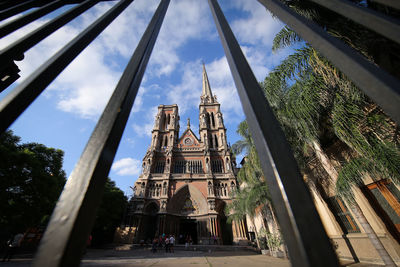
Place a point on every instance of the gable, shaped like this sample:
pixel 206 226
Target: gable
pixel 188 139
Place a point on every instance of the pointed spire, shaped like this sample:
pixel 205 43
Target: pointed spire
pixel 206 95
pixel 188 123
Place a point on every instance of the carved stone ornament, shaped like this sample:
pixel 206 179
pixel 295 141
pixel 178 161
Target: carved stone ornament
pixel 211 204
pixel 163 204
pixel 189 206
pixel 188 141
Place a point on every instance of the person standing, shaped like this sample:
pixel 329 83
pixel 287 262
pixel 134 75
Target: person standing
pixel 154 245
pixel 171 243
pixel 166 244
pixel 13 246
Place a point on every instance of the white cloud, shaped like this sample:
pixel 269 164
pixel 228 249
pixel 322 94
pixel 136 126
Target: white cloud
pixel 143 130
pixel 146 128
pixel 185 20
pixel 85 86
pixel 127 166
pixel 259 27
pixel 187 93
pixel 86 90
pixel 137 105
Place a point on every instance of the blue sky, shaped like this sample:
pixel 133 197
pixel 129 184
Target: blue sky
pixel 65 114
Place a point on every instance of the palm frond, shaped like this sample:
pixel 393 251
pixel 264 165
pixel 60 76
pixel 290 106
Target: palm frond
pixel 285 37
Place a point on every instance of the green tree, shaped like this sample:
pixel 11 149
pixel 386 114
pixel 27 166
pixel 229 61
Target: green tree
pixel 254 190
pixel 109 215
pixel 31 180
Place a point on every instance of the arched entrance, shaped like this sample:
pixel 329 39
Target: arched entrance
pixel 226 226
pixel 190 208
pixel 150 220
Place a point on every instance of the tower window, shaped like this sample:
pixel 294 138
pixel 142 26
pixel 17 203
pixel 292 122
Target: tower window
pixel 208 120
pixel 216 166
pixel 163 121
pixel 216 141
pixel 212 119
pixel 165 141
pixel 159 167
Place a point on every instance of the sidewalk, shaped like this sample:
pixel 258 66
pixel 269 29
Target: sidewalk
pixel 144 257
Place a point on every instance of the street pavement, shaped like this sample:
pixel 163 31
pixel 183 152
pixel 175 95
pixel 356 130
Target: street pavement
pixel 143 257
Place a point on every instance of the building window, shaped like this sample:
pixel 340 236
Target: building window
pixel 159 167
pixel 216 166
pixel 344 215
pixel 385 199
pixel 188 166
pixel 216 141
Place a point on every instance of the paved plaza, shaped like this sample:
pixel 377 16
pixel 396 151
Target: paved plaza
pixel 181 258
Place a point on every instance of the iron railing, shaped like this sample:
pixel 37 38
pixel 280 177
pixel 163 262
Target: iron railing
pixel 73 217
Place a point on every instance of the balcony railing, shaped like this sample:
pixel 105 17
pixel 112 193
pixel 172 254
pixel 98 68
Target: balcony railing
pixel 73 217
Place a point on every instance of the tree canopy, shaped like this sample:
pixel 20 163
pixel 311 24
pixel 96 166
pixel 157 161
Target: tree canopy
pixel 109 215
pixel 31 180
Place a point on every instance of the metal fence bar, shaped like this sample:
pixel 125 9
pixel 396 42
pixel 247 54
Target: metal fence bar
pixel 391 3
pixel 16 50
pixel 29 17
pixel 379 23
pixel 303 232
pixel 6 4
pixel 75 212
pixel 23 95
pixel 9 12
pixel 380 86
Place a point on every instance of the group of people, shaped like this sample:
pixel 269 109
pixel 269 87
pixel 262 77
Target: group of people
pixel 163 241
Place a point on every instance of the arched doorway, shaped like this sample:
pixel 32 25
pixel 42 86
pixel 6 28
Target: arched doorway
pixel 226 226
pixel 189 207
pixel 150 220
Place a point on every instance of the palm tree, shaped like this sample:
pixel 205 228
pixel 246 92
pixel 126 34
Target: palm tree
pixel 321 99
pixel 371 44
pixel 254 191
pixel 246 200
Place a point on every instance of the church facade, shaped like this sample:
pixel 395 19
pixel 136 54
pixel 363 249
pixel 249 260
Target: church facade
pixel 187 180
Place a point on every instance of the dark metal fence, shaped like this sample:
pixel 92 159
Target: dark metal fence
pixel 73 217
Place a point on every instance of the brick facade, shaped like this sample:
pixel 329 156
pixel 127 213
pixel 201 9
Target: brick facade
pixel 186 180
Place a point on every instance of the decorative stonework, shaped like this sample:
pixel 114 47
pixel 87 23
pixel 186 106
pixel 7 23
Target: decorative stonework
pixel 189 207
pixel 188 141
pixel 211 204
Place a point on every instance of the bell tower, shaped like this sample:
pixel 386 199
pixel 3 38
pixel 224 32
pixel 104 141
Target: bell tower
pixel 164 137
pixel 166 128
pixel 212 128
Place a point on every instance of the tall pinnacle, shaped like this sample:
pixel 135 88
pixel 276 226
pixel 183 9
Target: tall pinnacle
pixel 206 95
